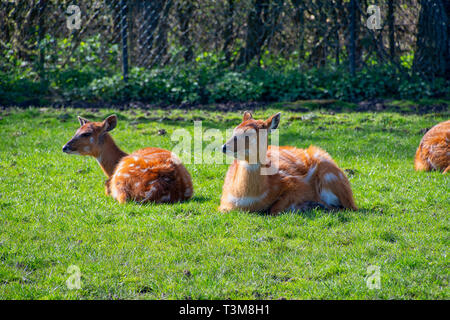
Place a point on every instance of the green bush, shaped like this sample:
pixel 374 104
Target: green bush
pixel 207 79
pixel 21 90
pixel 234 86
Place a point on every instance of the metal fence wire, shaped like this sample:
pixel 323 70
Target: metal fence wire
pixel 119 35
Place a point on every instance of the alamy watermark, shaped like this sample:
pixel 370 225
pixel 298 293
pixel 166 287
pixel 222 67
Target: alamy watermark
pixel 250 146
pixel 373 280
pixel 74 280
pixel 374 21
pixel 73 21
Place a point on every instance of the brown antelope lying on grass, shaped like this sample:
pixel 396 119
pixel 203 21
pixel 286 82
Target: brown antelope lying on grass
pixel 434 151
pixel 301 177
pixel 146 175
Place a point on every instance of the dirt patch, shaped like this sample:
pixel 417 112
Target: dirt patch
pixel 225 107
pixel 351 172
pixel 328 106
pixel 145 289
pixel 405 106
pixel 187 273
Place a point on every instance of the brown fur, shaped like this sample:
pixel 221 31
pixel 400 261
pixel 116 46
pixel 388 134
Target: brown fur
pixel 146 175
pixel 303 177
pixel 433 152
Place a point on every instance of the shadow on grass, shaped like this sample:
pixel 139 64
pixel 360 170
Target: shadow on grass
pixel 199 199
pixel 343 216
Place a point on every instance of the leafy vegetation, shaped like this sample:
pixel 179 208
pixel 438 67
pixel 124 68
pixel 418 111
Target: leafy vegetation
pixel 210 80
pixel 54 214
pixel 199 52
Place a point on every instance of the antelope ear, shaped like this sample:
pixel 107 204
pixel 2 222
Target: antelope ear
pixel 82 120
pixel 110 123
pixel 247 116
pixel 273 122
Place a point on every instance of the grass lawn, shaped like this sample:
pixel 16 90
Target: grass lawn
pixel 54 214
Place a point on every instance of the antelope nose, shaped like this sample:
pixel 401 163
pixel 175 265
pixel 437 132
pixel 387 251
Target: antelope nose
pixel 65 148
pixel 224 148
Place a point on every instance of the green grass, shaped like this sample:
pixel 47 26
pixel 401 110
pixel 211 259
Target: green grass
pixel 54 214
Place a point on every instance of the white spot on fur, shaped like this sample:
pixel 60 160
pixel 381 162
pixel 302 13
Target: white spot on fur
pixel 175 158
pixel 136 158
pixel 166 197
pixel 288 175
pixel 432 164
pixel 329 177
pixel 321 156
pixel 87 149
pixel 250 167
pixel 131 165
pixel 119 168
pixel 188 192
pixel 114 192
pixel 91 139
pixel 310 173
pixel 137 184
pixel 126 175
pixel 149 193
pixel 283 173
pixel 329 198
pixel 246 201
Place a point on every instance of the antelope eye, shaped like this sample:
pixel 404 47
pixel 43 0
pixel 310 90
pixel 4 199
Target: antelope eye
pixel 86 134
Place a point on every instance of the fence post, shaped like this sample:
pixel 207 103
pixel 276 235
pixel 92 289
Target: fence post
pixel 41 62
pixel 124 31
pixel 391 23
pixel 352 53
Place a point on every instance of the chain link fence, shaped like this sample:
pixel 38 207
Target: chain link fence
pixel 115 36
